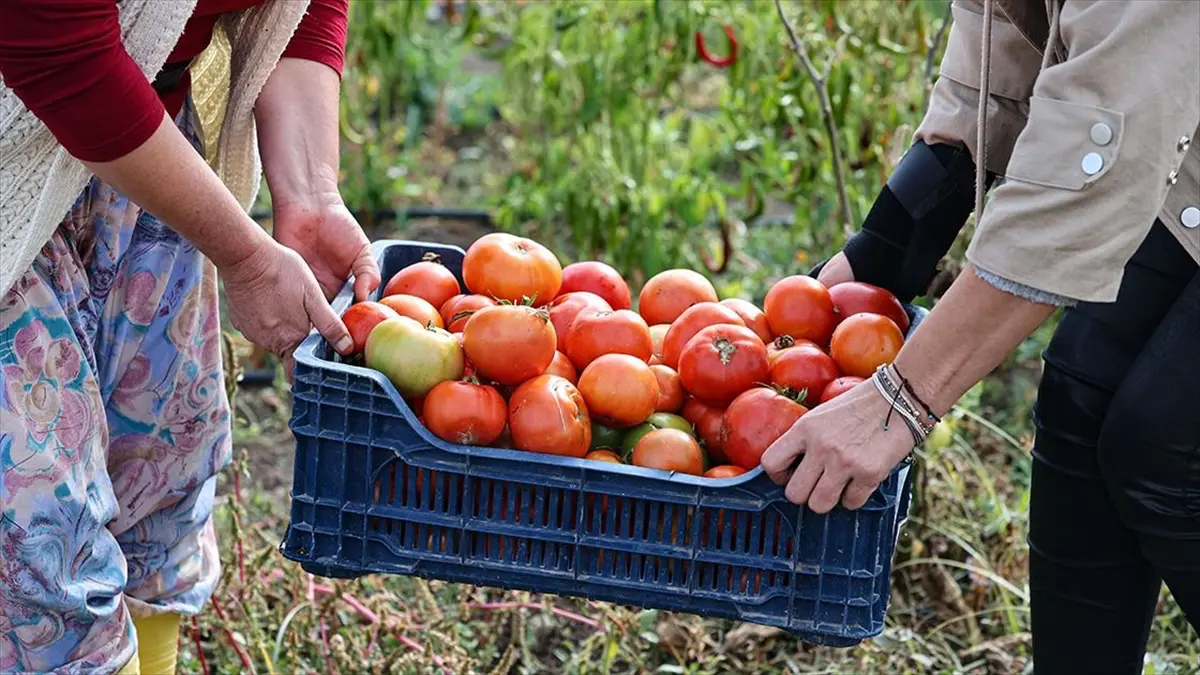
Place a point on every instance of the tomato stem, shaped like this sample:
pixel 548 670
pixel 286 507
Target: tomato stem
pixel 725 350
pixel 432 257
pixel 784 341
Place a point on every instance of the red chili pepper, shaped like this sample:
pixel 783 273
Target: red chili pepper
pixel 720 62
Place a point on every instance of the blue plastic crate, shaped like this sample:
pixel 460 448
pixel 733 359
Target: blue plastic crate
pixel 375 492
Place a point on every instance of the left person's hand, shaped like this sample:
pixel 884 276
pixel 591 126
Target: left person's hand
pixel 844 451
pixel 327 236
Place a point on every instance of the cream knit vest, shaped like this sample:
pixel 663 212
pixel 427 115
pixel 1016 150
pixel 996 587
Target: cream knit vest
pixel 40 181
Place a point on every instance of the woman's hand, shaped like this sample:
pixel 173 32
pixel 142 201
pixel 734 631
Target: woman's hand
pixel 274 300
pixel 836 271
pixel 843 450
pixel 331 241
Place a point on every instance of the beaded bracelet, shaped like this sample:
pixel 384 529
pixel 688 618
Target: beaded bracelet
pixel 900 404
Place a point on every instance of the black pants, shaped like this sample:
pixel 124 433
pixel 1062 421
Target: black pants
pixel 1115 503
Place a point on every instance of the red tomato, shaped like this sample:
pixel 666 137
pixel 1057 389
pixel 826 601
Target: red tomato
pixel 466 413
pixel 856 297
pixel 724 471
pixel 603 456
pixel 754 318
pixel 670 389
pixel 507 267
pixel 594 334
pixel 863 342
pixel 710 427
pixel 804 370
pixel 801 307
pixel 510 343
pixel 721 362
pixel 669 450
pixel 547 414
pixel 838 387
pixel 562 367
pixel 566 307
pixel 361 317
pixel 784 343
pixel 658 333
pixel 699 316
pixel 754 421
pixel 667 294
pixel 428 280
pixel 457 310
pixel 620 390
pixel 417 309
pixel 598 278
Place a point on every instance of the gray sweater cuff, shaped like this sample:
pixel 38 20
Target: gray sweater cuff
pixel 1022 291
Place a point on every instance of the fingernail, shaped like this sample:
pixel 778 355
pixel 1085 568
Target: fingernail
pixel 345 344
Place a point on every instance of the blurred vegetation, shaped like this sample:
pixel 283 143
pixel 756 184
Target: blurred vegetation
pixel 596 127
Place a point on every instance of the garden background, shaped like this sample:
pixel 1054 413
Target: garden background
pixel 597 128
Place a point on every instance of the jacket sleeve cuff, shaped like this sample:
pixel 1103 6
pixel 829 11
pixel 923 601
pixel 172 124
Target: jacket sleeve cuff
pixel 1022 291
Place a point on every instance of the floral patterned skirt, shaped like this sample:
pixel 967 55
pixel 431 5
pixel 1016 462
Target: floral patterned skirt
pixel 113 425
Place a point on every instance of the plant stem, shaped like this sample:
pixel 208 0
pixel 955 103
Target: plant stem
pixel 937 42
pixel 819 81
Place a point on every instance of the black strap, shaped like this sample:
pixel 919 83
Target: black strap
pixel 170 76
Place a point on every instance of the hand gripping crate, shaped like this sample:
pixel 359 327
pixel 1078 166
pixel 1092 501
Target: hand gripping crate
pixel 375 492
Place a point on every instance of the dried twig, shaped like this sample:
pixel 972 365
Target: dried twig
pixel 245 658
pixel 819 81
pixel 933 48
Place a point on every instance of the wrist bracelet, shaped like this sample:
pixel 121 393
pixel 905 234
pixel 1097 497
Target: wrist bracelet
pixel 900 405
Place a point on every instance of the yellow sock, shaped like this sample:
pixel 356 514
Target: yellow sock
pixel 158 646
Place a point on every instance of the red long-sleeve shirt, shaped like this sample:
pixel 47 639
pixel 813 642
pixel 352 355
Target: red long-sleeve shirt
pixel 64 59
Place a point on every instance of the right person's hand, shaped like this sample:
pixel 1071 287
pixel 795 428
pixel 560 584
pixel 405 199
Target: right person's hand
pixel 836 271
pixel 275 301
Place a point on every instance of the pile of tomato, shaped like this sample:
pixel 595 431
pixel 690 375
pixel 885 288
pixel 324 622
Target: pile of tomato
pixel 537 357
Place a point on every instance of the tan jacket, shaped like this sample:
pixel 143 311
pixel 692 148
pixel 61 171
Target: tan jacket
pixel 1093 115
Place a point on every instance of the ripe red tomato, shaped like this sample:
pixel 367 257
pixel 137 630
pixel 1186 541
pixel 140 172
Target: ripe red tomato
pixel 695 318
pixel 457 310
pixel 561 366
pixel 801 307
pixel 510 343
pixel 658 333
pixel 361 317
pixel 547 414
pixel 856 297
pixel 754 421
pixel 598 278
pixel 667 294
pixel 754 318
pixel 806 370
pixel 670 389
pixel 669 450
pixel 724 471
pixel 721 362
pixel 417 309
pixel 507 267
pixel 863 342
pixel 838 387
pixel 603 456
pixel 413 357
pixel 566 307
pixel 464 412
pixel 620 390
pixel 785 342
pixel 710 427
pixel 428 280
pixel 594 334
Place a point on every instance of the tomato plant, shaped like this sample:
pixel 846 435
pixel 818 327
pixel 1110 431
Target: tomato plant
pixel 596 333
pixel 428 280
pixel 620 390
pixel 361 317
pixel 507 267
pixel 510 343
pixel 465 412
pixel 695 318
pixel 413 357
pixel 667 294
pixel 598 278
pixel 801 307
pixel 547 414
pixel 566 307
pixel 669 450
pixel 417 309
pixel 754 421
pixel 721 362
pixel 863 342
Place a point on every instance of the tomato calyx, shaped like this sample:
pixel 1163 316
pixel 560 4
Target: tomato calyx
pixel 432 257
pixel 784 341
pixel 725 349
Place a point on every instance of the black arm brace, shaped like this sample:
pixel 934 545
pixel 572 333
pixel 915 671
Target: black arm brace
pixel 914 220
